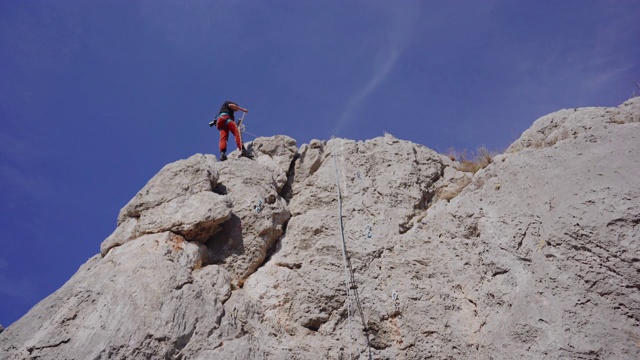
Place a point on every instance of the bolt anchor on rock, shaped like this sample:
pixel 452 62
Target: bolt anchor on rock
pixel 396 301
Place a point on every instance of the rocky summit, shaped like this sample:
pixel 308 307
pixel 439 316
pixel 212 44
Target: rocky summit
pixel 382 249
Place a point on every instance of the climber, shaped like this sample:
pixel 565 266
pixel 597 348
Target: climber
pixel 225 121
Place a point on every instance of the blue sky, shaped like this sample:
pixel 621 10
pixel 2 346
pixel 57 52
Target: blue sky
pixel 96 96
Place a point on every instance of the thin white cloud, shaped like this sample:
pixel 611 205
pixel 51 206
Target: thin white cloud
pixel 402 17
pixel 379 75
pixel 603 79
pixel 590 67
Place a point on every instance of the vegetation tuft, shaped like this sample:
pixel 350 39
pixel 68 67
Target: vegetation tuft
pixel 473 162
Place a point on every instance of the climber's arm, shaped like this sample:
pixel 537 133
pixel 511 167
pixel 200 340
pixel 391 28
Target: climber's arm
pixel 235 107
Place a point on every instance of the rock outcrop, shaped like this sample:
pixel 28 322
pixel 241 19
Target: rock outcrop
pixel 179 199
pixel 378 249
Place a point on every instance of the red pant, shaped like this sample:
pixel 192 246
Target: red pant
pixel 224 124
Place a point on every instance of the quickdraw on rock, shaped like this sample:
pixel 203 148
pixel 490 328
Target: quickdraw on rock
pixel 259 206
pixel 234 316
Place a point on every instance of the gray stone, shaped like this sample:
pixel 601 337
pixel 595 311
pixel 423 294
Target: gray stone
pixel 184 177
pixel 125 231
pixel 259 212
pixel 129 304
pixel 276 153
pixel 534 256
pixel 180 199
pixel 196 217
pixel 580 123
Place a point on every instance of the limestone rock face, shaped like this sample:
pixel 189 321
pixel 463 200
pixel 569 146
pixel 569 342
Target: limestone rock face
pixel 182 178
pixel 180 199
pixel 129 304
pixel 379 249
pixel 259 212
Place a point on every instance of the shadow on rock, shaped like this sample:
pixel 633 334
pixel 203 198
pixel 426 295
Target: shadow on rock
pixel 226 242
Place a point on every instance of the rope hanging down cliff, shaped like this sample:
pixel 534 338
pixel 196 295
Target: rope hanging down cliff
pixel 351 287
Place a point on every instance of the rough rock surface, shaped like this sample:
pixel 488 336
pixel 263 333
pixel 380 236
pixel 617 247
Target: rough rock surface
pixel 180 199
pixel 538 256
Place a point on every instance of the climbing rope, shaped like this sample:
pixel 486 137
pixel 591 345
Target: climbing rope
pixel 243 129
pixel 252 134
pixel 344 251
pixel 349 280
pixel 234 316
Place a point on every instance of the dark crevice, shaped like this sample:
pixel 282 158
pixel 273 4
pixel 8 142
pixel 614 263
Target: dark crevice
pixel 182 341
pixel 31 349
pixel 314 323
pixel 180 286
pixel 276 245
pixel 226 242
pixel 405 226
pixel 287 194
pixel 499 271
pixel 287 190
pixel 625 221
pixel 471 231
pixel 229 240
pixel 220 189
pixel 271 250
pixel 290 266
pixel 484 322
pixel 524 235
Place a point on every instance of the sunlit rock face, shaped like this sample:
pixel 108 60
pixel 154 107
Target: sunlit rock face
pixel 379 249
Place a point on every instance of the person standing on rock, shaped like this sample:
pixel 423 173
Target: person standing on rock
pixel 225 122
